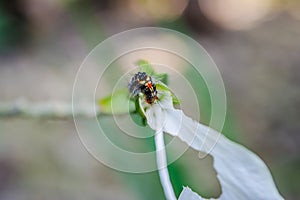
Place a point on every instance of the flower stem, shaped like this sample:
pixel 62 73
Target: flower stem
pixel 161 160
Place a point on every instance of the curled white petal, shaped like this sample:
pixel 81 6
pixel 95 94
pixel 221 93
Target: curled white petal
pixel 156 117
pixel 242 174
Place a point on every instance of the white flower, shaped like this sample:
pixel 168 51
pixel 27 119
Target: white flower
pixel 242 174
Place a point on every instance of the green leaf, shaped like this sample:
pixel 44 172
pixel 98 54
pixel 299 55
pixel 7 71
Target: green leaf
pixel 139 108
pixel 138 119
pixel 145 66
pixel 117 103
pixel 175 100
pixel 163 87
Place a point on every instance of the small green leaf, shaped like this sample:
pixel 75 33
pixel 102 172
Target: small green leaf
pixel 163 87
pixel 145 67
pixel 117 103
pixel 139 108
pixel 175 100
pixel 138 119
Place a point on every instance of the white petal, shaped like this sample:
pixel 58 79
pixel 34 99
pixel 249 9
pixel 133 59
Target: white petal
pixel 241 173
pixel 188 194
pixel 156 113
pixel 156 117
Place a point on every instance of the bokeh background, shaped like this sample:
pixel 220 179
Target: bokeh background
pixel 255 43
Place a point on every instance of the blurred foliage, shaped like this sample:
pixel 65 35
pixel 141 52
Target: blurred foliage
pixel 288 174
pixel 87 23
pixel 13 25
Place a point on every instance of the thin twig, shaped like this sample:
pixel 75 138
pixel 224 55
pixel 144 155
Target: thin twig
pixel 50 109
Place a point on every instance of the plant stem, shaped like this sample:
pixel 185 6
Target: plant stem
pixel 46 109
pixel 161 160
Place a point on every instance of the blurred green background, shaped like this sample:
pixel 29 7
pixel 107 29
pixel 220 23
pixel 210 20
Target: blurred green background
pixel 255 44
